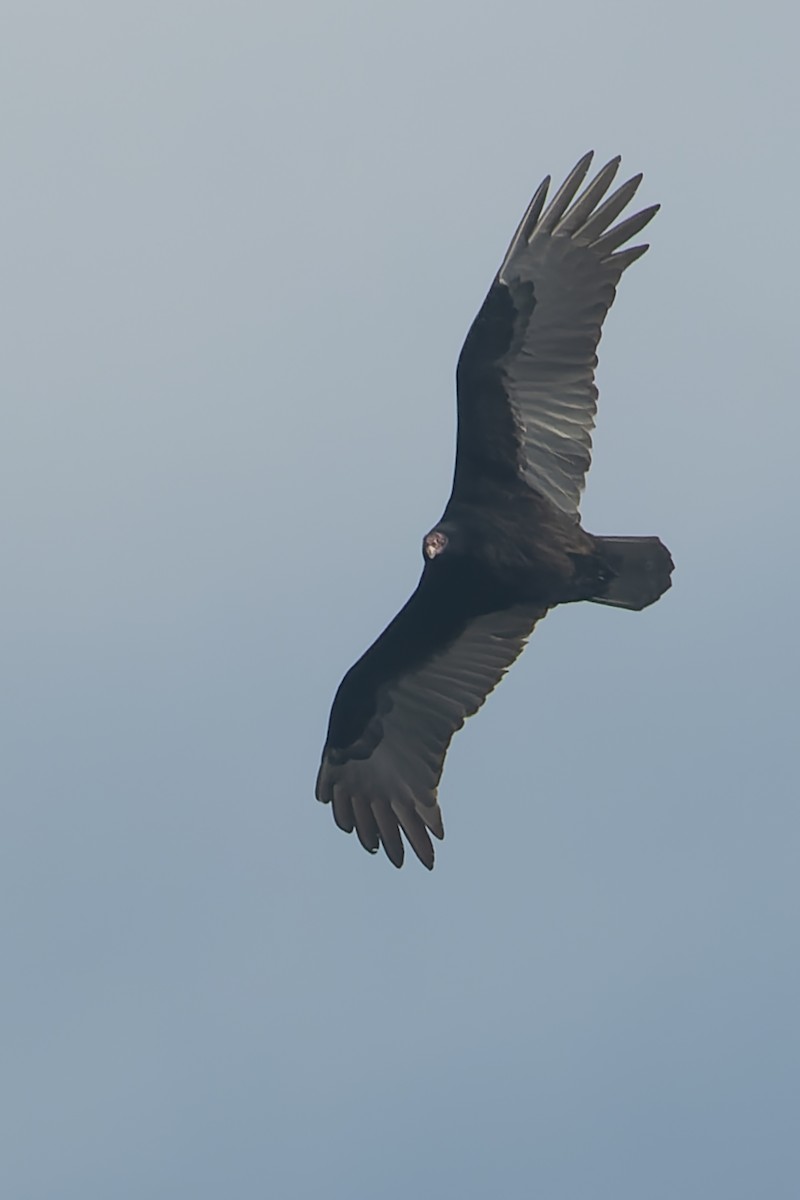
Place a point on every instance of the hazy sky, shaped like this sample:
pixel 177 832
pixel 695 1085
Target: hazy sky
pixel 242 244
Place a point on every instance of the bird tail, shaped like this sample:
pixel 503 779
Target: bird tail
pixel 642 567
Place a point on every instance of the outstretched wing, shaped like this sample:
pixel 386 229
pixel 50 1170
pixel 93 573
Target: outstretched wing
pixel 526 392
pixel 397 709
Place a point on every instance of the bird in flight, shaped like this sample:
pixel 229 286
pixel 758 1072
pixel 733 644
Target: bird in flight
pixel 509 545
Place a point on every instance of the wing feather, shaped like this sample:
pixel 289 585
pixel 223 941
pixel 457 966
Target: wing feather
pixel 526 393
pixel 564 196
pixel 366 826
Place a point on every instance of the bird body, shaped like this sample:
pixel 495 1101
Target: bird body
pixel 509 545
pixel 520 541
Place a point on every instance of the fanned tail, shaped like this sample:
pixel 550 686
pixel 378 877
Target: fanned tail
pixel 642 567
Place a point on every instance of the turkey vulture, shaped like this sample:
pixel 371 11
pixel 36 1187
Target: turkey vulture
pixel 509 545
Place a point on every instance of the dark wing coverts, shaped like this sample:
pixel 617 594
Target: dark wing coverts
pixel 526 392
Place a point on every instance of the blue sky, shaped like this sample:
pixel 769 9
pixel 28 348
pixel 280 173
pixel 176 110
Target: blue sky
pixel 243 246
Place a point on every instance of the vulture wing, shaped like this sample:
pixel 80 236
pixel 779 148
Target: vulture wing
pixel 526 392
pixel 397 709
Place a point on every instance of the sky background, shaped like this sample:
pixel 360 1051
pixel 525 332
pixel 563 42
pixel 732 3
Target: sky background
pixel 242 244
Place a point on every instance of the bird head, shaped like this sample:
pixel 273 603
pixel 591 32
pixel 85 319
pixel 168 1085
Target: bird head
pixel 434 543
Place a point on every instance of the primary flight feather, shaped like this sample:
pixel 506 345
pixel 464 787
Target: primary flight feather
pixel 509 545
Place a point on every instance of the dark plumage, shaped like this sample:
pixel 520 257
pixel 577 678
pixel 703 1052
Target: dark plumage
pixel 509 545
